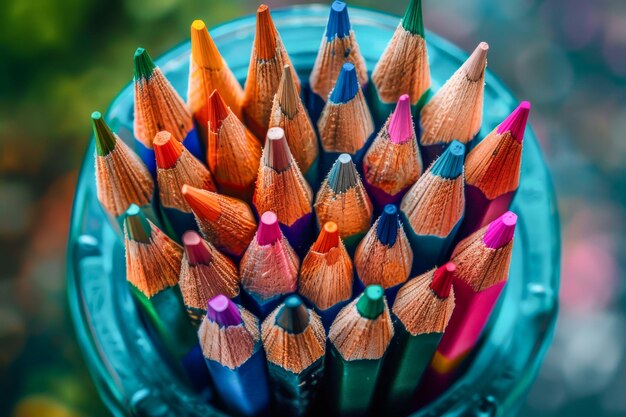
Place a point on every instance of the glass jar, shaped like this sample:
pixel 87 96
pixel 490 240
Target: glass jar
pixel 131 373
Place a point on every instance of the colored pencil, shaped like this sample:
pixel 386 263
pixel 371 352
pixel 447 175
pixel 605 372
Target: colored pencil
pixel 456 109
pixel 267 61
pixel 289 114
pixel 342 199
pixel 204 274
pixel 384 256
pixel 153 263
pixel 224 221
pixel 231 344
pixel 295 344
pixel 339 46
pixel 492 171
pixel 482 261
pixel 269 268
pixel 393 162
pixel 403 67
pixel 121 178
pixel 281 188
pixel 421 313
pixel 326 274
pixel 346 122
pixel 354 365
pixel 433 209
pixel 207 72
pixel 176 167
pixel 233 152
pixel 159 107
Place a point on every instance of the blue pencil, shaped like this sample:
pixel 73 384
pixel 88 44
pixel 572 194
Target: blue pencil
pixel 433 209
pixel 231 344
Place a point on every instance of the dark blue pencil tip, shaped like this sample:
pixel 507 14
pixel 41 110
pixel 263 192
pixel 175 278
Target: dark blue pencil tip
pixel 338 21
pixel 347 85
pixel 388 223
pixel 450 164
pixel 293 316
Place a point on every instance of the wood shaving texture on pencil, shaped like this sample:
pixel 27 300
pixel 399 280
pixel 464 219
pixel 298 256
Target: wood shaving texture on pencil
pixel 345 127
pixel 155 265
pixel 479 266
pixel 159 107
pixel 352 209
pixel 456 110
pixel 326 278
pixel 230 346
pixel 493 166
pixel 269 270
pixel 293 351
pixel 122 179
pixel 434 205
pixel 331 56
pixel 392 167
pixel 395 75
pixel 377 263
pixel 419 309
pixel 356 337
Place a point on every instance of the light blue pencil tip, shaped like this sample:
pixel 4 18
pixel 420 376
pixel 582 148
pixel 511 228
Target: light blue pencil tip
pixel 450 164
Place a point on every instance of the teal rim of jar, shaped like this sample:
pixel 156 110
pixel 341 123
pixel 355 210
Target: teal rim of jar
pixel 132 376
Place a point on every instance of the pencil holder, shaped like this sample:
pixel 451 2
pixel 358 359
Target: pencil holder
pixel 136 378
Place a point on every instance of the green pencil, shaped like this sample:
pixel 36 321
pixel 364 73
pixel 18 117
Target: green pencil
pixel 359 338
pixel 421 313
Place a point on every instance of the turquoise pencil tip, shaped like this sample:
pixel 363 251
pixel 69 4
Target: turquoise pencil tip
pixel 338 21
pixel 293 316
pixel 105 139
pixel 450 164
pixel 136 225
pixel 388 223
pixel 371 304
pixel 144 66
pixel 347 85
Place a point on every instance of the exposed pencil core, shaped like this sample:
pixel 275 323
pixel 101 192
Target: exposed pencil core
pixel 413 20
pixel 203 203
pixel 196 249
pixel 327 239
pixel 218 111
pixel 338 21
pixel 476 63
pixel 203 49
pixel 500 231
pixel 516 122
pixel 450 164
pixel 371 304
pixel 136 226
pixel 347 85
pixel 167 150
pixel 105 140
pixel 342 175
pixel 387 229
pixel 269 230
pixel 144 66
pixel 442 280
pixel 287 93
pixel 221 310
pixel 265 40
pixel 276 154
pixel 401 123
pixel 293 316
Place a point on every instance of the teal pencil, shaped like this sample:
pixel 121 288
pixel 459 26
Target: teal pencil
pixel 359 338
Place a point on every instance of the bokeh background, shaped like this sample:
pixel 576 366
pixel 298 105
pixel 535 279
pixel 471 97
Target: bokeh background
pixel 61 59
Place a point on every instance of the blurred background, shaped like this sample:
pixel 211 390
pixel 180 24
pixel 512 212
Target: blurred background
pixel 63 59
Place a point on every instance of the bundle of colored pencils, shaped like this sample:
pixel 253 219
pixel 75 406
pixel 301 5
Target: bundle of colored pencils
pixel 359 285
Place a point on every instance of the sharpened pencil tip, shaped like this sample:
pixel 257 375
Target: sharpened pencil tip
pixel 217 111
pixel 269 229
pixel 338 21
pixel 401 124
pixel 136 225
pixel 205 204
pixel 196 249
pixel 477 62
pixel 347 85
pixel 144 66
pixel 287 93
pixel 221 310
pixel 167 150
pixel 450 164
pixel 343 175
pixel 516 122
pixel 500 231
pixel 265 39
pixel 371 304
pixel 203 49
pixel 105 139
pixel 293 316
pixel 388 224
pixel 413 20
pixel 276 154
pixel 327 239
pixel 442 280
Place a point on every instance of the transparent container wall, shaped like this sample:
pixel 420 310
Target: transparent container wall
pixel 132 376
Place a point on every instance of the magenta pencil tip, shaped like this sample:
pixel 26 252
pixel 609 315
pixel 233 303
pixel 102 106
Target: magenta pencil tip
pixel 500 231
pixel 442 280
pixel 196 249
pixel 516 122
pixel 221 310
pixel 269 230
pixel 401 124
